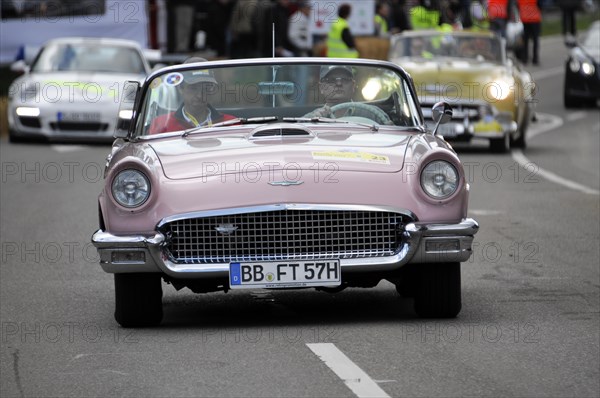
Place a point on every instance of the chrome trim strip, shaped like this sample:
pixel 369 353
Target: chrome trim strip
pixel 102 239
pixel 466 227
pixel 282 206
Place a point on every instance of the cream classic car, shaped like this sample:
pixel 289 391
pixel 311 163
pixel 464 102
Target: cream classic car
pixel 491 95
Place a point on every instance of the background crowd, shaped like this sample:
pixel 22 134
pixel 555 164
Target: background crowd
pixel 247 28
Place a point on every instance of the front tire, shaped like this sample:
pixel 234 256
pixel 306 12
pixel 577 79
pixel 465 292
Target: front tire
pixel 500 145
pixel 14 138
pixel 438 290
pixel 571 102
pixel 520 142
pixel 138 300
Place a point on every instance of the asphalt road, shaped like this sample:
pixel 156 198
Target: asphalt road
pixel 531 292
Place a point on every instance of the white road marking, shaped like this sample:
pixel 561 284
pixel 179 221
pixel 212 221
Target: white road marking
pixel 546 123
pixel 518 156
pixel 67 148
pixel 355 378
pixel 481 212
pixel 571 117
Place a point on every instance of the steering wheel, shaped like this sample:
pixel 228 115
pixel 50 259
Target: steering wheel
pixel 364 110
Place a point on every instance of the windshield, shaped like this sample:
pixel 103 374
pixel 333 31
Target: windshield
pixel 89 57
pixel 196 96
pixel 434 45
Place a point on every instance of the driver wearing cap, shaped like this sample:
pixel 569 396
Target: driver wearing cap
pixel 337 85
pixel 195 111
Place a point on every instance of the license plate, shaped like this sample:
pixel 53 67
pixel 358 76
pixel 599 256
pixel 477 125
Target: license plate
pixel 282 274
pixel 78 116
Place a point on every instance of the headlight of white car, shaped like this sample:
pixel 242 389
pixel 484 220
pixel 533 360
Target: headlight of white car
pixel 439 179
pixel 130 188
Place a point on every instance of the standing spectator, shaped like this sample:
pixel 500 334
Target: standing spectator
pixel 426 15
pixel 340 42
pixel 498 16
pixel 531 17
pixel 244 32
pixel 465 14
pixel 479 16
pixel 277 16
pixel 299 31
pixel 382 13
pixel 399 19
pixel 182 12
pixel 568 8
pixel 217 25
pixel 451 15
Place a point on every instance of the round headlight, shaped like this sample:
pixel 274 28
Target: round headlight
pixel 587 68
pixel 131 188
pixel 439 179
pixel 498 90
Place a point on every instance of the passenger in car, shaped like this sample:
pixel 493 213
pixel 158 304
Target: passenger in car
pixel 478 47
pixel 195 111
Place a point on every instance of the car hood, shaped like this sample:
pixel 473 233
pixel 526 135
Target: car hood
pixel 205 156
pixel 454 78
pixel 594 53
pixel 91 87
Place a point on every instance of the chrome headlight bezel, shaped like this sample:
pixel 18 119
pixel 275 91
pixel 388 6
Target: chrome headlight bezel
pixel 130 188
pixel 439 179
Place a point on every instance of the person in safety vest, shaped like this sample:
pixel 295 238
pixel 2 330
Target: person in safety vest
pixel 425 16
pixel 340 42
pixel 382 13
pixel 531 17
pixel 195 111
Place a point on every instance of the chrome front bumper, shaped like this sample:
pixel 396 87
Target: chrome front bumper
pixel 425 243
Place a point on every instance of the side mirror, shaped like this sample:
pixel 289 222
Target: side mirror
pixel 19 67
pixel 441 113
pixel 126 109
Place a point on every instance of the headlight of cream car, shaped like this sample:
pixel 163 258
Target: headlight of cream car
pixel 499 89
pixel 130 188
pixel 439 179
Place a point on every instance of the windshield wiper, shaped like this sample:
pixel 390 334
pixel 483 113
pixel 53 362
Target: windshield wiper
pixel 230 122
pixel 373 126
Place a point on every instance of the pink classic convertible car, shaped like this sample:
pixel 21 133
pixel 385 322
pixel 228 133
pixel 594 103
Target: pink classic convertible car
pixel 281 174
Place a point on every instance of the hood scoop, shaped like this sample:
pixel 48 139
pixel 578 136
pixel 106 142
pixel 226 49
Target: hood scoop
pixel 281 132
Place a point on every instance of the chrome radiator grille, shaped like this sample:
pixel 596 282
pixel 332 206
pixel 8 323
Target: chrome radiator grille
pixel 473 112
pixel 284 235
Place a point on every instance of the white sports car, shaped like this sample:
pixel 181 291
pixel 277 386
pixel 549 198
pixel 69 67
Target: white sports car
pixel 72 89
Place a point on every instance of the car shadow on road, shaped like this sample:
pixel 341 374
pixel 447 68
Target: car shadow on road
pixel 261 308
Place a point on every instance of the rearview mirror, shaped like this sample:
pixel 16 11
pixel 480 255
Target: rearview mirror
pixel 275 88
